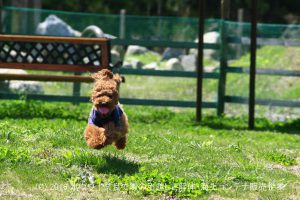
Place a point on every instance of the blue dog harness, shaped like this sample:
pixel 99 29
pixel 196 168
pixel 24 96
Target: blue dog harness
pixel 96 119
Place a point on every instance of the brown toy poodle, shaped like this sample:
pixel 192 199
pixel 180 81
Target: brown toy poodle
pixel 107 123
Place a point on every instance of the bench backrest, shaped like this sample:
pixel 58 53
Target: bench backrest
pixel 54 53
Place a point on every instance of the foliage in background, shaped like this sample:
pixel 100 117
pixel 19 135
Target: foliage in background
pixel 269 10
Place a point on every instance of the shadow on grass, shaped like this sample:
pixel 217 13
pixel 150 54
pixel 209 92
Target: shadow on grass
pixel 291 127
pixel 119 166
pixel 105 163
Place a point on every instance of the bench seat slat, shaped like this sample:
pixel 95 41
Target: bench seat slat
pixel 39 77
pixel 37 66
pixel 54 39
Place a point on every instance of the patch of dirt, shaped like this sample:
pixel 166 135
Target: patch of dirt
pixel 8 192
pixel 218 197
pixel 295 169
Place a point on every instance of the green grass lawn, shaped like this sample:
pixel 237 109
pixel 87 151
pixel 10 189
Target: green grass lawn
pixel 43 156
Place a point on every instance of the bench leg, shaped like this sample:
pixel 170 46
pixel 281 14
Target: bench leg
pixel 76 88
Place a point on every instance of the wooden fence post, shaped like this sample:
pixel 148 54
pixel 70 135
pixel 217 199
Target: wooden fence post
pixel 122 24
pixel 252 64
pixel 239 47
pixel 225 8
pixel 223 66
pixel 76 87
pixel 200 60
pixel 1 25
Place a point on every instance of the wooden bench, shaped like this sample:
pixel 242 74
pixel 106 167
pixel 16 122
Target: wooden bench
pixel 63 54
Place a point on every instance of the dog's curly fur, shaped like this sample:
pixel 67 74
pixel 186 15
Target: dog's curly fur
pixel 105 93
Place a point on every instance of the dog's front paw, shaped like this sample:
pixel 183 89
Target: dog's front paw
pixel 95 137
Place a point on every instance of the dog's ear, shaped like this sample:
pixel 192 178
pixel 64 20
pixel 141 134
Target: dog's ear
pixel 103 74
pixel 117 78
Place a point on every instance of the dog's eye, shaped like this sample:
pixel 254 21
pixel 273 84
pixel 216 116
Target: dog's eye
pixel 110 96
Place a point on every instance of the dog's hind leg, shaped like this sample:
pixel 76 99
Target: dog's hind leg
pixel 121 143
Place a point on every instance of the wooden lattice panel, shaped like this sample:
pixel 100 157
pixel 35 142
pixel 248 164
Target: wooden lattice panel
pixel 67 54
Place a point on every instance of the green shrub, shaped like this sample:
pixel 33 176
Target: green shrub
pixel 281 158
pixel 14 156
